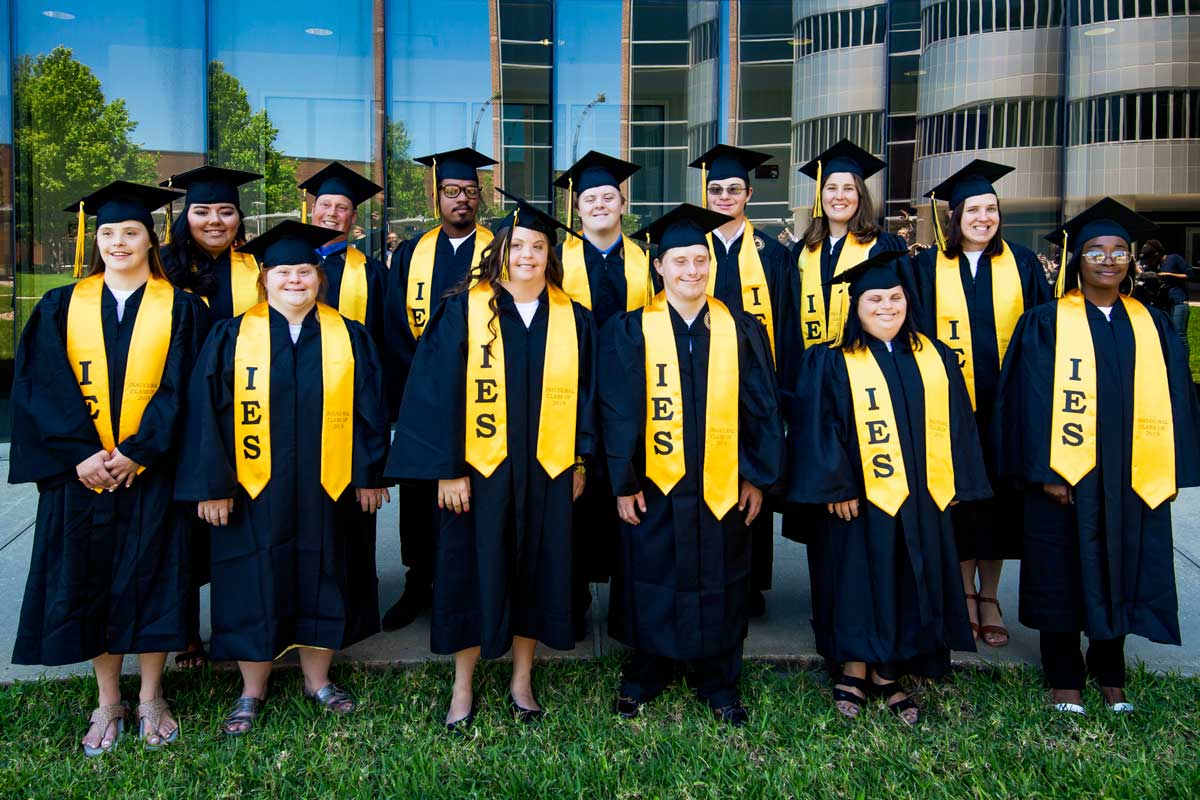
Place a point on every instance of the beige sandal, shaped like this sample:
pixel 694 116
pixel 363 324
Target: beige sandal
pixel 102 717
pixel 150 714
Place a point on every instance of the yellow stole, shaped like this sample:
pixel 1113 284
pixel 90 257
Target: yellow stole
pixel 815 326
pixel 420 276
pixel 953 319
pixel 637 274
pixel 243 281
pixel 665 463
pixel 352 296
pixel 487 402
pixel 1073 410
pixel 144 365
pixel 884 475
pixel 756 298
pixel 252 400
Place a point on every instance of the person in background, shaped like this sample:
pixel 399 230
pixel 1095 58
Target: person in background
pixel 1173 271
pixel 391 245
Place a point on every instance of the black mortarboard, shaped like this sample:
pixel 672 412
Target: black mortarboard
pixel 209 184
pixel 289 242
pixel 337 178
pixel 1105 218
pixel 122 200
pixel 595 169
pixel 726 161
pixel 845 156
pixel 457 165
pixel 974 179
pixel 532 217
pixel 877 272
pixel 682 226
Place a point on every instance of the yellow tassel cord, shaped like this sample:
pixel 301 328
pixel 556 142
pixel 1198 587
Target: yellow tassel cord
pixel 508 245
pixel 437 212
pixel 303 206
pixel 938 236
pixel 570 198
pixel 166 239
pixel 703 185
pixel 79 246
pixel 817 212
pixel 650 275
pixel 1061 281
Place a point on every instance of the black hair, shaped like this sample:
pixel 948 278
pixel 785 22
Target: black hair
pixel 854 336
pixel 182 253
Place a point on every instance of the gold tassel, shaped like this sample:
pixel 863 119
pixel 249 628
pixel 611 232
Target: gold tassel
pixel 1061 282
pixel 703 185
pixel 508 245
pixel 79 246
pixel 650 275
pixel 437 212
pixel 938 236
pixel 570 198
pixel 166 239
pixel 304 206
pixel 817 212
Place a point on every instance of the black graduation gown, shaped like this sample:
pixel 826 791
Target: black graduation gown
pixel 503 569
pixel 292 566
pixel 799 520
pixel 682 581
pixel 885 590
pixel 109 571
pixel 783 284
pixel 987 529
pixel 377 275
pixel 1104 564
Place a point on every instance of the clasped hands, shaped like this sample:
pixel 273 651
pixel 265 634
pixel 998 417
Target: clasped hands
pixel 105 470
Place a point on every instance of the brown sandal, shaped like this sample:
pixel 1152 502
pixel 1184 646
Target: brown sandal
pixel 974 625
pixel 998 631
pixel 149 715
pixel 102 717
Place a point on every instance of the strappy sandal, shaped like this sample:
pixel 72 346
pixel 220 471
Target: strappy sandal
pixel 149 715
pixel 898 707
pixel 974 625
pixel 102 717
pixel 994 630
pixel 844 696
pixel 192 658
pixel 245 711
pixel 332 698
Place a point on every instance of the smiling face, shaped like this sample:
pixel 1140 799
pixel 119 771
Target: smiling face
pixel 980 221
pixel 124 246
pixel 729 196
pixel 839 197
pixel 882 312
pixel 684 271
pixel 213 226
pixel 334 211
pixel 528 251
pixel 1104 262
pixel 292 288
pixel 600 208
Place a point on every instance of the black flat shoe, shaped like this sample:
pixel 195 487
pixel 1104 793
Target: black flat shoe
pixel 734 714
pixel 459 726
pixel 407 608
pixel 526 715
pixel 627 707
pixel 757 606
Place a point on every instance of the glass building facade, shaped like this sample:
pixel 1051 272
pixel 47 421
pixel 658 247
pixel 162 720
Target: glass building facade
pixel 1085 98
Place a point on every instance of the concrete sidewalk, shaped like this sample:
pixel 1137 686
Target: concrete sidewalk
pixel 784 633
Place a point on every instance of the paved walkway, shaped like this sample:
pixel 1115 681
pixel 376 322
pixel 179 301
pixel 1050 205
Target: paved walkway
pixel 783 634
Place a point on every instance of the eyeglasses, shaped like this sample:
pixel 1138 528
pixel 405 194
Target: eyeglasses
pixel 452 191
pixel 732 191
pixel 1099 257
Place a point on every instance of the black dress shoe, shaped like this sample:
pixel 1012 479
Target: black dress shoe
pixel 526 715
pixel 459 726
pixel 734 714
pixel 757 606
pixel 627 707
pixel 407 608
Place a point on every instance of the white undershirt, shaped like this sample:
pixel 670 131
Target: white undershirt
pixel 689 322
pixel 1107 312
pixel 833 240
pixel 294 330
pixel 889 345
pixel 973 257
pixel 736 235
pixel 456 242
pixel 526 310
pixel 122 295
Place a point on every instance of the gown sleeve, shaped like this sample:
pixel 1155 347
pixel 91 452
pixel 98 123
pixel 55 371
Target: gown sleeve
pixel 924 271
pixel 210 472
pixel 586 423
pixel 622 388
pixel 429 440
pixel 819 467
pixel 970 471
pixel 1033 278
pixel 760 424
pixel 52 431
pixel 370 411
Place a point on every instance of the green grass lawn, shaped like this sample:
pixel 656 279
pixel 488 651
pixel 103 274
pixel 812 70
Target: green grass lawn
pixel 1194 342
pixel 984 734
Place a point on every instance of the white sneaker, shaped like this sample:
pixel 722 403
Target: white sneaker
pixel 1122 708
pixel 1071 708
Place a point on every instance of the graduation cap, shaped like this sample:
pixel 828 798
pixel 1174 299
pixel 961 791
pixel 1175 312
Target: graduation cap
pixel 682 226
pixel 594 169
pixel 117 202
pixel 289 242
pixel 337 178
pixel 845 156
pixel 876 272
pixel 974 179
pixel 726 161
pixel 1105 218
pixel 209 184
pixel 530 216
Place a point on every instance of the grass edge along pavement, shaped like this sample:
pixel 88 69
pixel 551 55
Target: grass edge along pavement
pixel 985 733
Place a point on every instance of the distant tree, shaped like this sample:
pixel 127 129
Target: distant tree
pixel 69 140
pixel 407 192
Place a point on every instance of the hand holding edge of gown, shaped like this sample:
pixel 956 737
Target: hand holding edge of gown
pixel 846 510
pixel 1060 492
pixel 578 481
pixel 455 494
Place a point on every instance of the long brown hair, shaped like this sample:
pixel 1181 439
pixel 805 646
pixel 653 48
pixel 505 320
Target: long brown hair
pixel 862 224
pixel 954 235
pixel 491 265
pixel 96 265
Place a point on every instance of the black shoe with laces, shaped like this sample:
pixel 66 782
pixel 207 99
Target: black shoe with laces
pixel 757 606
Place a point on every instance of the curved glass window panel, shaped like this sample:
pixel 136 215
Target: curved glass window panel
pixel 8 321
